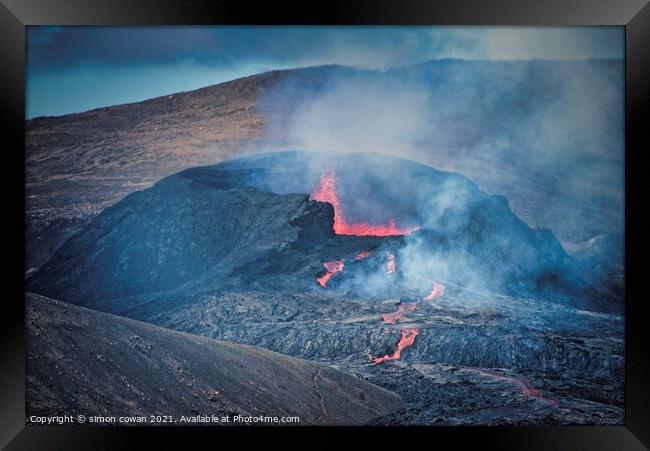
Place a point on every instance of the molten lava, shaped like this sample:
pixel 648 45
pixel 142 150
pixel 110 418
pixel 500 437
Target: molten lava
pixel 524 386
pixel 363 254
pixel 438 290
pixel 325 191
pixel 402 309
pixel 407 338
pixel 390 266
pixel 332 268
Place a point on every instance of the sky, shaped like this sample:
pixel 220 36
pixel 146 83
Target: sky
pixel 74 69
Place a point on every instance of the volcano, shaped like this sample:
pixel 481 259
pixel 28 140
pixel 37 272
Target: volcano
pixel 247 251
pixel 253 221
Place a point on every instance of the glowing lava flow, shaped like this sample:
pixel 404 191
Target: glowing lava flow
pixel 525 387
pixel 390 265
pixel 332 268
pixel 406 340
pixel 325 191
pixel 363 254
pixel 402 309
pixel 438 290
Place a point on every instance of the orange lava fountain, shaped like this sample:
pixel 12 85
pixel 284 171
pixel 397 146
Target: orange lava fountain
pixel 325 191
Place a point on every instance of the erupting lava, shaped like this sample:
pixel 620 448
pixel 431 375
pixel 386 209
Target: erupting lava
pixel 363 254
pixel 332 268
pixel 325 191
pixel 525 387
pixel 438 290
pixel 390 266
pixel 406 340
pixel 402 309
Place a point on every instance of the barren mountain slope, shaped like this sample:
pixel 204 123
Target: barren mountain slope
pixel 141 369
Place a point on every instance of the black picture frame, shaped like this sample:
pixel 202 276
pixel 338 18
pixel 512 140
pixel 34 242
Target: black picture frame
pixel 633 14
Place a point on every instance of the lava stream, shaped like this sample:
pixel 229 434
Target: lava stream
pixel 525 387
pixel 325 191
pixel 407 338
pixel 332 268
pixel 390 265
pixel 402 309
pixel 438 290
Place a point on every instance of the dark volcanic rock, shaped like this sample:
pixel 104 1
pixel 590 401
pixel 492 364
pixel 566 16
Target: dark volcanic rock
pixel 81 361
pixel 161 238
pixel 447 395
pixel 461 328
pixel 574 358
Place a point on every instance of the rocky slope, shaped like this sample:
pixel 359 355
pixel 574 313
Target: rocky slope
pixel 81 361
